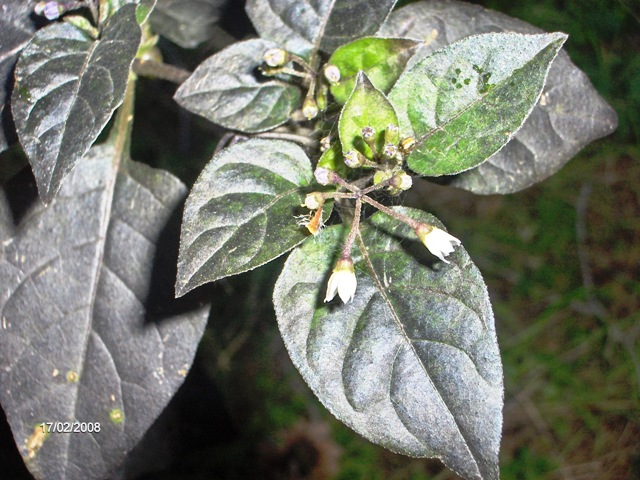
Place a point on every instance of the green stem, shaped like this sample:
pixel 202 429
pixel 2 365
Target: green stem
pixel 153 69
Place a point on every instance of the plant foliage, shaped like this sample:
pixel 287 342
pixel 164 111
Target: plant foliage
pixel 347 103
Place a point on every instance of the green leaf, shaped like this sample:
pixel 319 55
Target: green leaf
pixel 412 363
pixel 226 90
pixel 332 159
pixel 91 331
pixel 17 26
pixel 569 115
pixel 67 87
pixel 187 23
pixel 304 26
pixel 366 107
pixel 144 9
pixel 382 59
pixel 241 211
pixel 465 102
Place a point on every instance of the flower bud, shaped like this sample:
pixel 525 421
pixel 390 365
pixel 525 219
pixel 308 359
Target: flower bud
pixel 276 57
pixel 310 108
pixel 381 176
pixel 353 159
pixel 368 134
pixel 51 10
pixel 313 200
pixel 331 73
pixel 401 181
pixel 391 134
pixel 324 176
pixel 389 151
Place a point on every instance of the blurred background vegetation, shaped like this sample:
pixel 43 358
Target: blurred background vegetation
pixel 562 262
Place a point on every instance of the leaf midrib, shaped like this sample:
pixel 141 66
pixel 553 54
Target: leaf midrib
pixel 374 275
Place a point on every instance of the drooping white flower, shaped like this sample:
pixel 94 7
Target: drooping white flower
pixel 439 242
pixel 342 281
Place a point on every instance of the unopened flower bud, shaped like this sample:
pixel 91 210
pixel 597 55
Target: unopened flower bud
pixel 51 10
pixel 310 108
pixel 439 242
pixel 389 151
pixel 313 200
pixel 353 159
pixel 381 176
pixel 368 133
pixel 331 73
pixel 324 176
pixel 276 57
pixel 391 134
pixel 401 181
pixel 342 281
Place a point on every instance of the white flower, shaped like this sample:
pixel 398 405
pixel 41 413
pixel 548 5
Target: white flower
pixel 439 242
pixel 342 281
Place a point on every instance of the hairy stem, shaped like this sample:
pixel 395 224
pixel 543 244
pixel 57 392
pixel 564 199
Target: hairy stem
pixel 153 69
pixel 392 213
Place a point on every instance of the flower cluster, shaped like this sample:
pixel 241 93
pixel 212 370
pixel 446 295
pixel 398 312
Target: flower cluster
pixel 389 175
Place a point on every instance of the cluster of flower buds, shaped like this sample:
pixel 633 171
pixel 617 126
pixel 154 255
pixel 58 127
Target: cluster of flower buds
pixel 277 59
pixel 388 162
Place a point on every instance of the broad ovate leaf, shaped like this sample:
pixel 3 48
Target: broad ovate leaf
pixel 366 107
pixel 382 59
pixel 227 89
pixel 16 29
pixel 304 26
pixel 569 114
pixel 465 102
pixel 67 87
pixel 186 22
pixel 90 332
pixel 241 212
pixel 412 363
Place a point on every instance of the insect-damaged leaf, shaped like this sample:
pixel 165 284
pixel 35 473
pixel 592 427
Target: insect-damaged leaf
pixel 302 26
pixel 381 59
pixel 186 22
pixel 366 107
pixel 569 115
pixel 241 211
pixel 465 102
pixel 16 29
pixel 412 363
pixel 67 87
pixel 226 89
pixel 90 331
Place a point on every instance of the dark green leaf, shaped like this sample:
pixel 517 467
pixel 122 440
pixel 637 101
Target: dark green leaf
pixel 186 22
pixel 382 59
pixel 303 26
pixel 570 113
pixel 86 333
pixel 366 107
pixel 67 87
pixel 241 211
pixel 16 29
pixel 413 362
pixel 332 159
pixel 465 102
pixel 226 89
